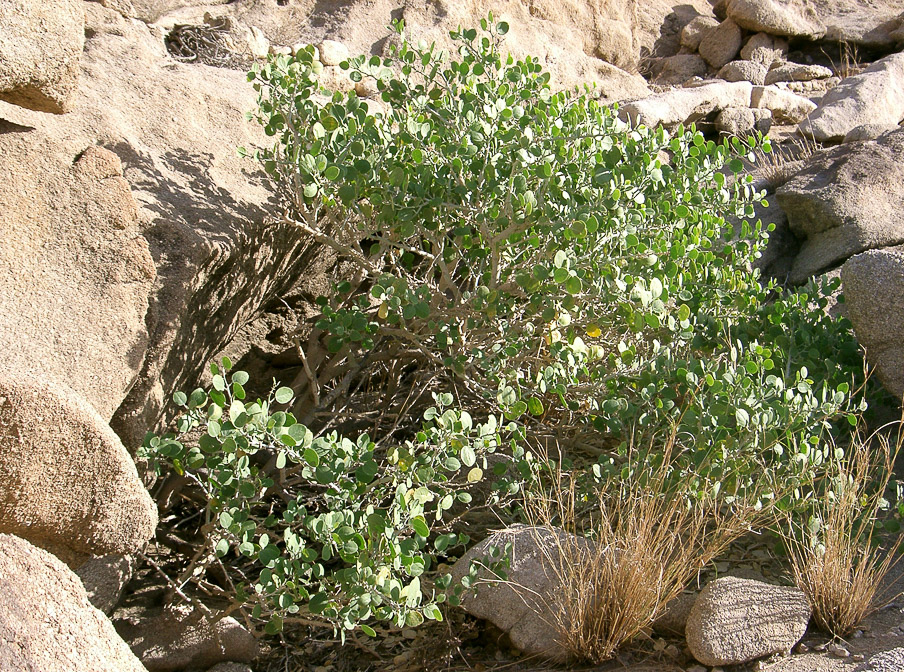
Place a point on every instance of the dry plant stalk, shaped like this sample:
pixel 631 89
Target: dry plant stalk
pixel 646 539
pixel 839 563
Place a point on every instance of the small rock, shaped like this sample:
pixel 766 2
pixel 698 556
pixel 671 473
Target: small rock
pixel 801 648
pixel 332 52
pixel 837 650
pixel 722 44
pixel 744 71
pixel 743 121
pixel 280 50
pixel 366 88
pixel 796 72
pixel 677 69
pixel 786 107
pixel 738 620
pixel 258 44
pixel 858 657
pixel 694 32
pixel 765 49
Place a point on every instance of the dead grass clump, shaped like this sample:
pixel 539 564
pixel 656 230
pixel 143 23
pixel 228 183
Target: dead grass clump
pixel 838 558
pixel 635 549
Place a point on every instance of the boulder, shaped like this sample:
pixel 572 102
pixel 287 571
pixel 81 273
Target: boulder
pixel 744 71
pixel 738 620
pixel 46 620
pixel 39 53
pixel 845 201
pixel 674 618
pixel 696 30
pixel 873 286
pixel 524 605
pixel 790 18
pixel 884 661
pixel 671 108
pixel 868 132
pixel 105 577
pixel 743 121
pixel 765 49
pixel 863 23
pixel 875 96
pixel 67 483
pixel 677 69
pixel 796 72
pixel 75 272
pixel 174 638
pixel 786 107
pixel 721 44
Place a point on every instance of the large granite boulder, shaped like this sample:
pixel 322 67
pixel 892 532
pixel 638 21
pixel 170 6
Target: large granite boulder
pixel 67 483
pixel 75 271
pixel 875 96
pixel 873 286
pixel 844 201
pixel 46 620
pixel 40 46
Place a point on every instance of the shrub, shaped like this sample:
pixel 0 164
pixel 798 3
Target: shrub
pixel 327 529
pixel 541 258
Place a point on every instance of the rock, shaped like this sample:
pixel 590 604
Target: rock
pixel 522 606
pixel 686 105
pixel 884 661
pixel 744 71
pixel 67 484
pixel 39 53
pixel 796 72
pixel 875 96
pixel 779 254
pixel 743 121
pixel 721 44
pixel 170 639
pixel 846 200
pixel 230 667
pixel 765 49
pixel 873 286
pixel 105 577
pixel 789 18
pixel 333 52
pixel 677 69
pixel 46 620
pixel 258 44
pixel 75 271
pixel 786 107
pixel 674 618
pixel 868 132
pixel 863 23
pixel 737 620
pixel 696 30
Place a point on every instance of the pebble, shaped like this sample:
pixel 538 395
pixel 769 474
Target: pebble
pixel 838 651
pixel 858 657
pixel 802 648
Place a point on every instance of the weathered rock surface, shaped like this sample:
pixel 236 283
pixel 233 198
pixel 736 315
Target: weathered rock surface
pixel 884 661
pixel 777 17
pixel 744 71
pixel 846 200
pixel 674 618
pixel 46 620
pixel 105 577
pixel 67 484
pixel 787 107
pixel 737 620
pixel 742 121
pixel 332 52
pixel 873 285
pixel 524 605
pixel 686 105
pixel 868 132
pixel 696 30
pixel 40 46
pixel 677 69
pixel 75 271
pixel 177 638
pixel 720 45
pixel 765 49
pixel 796 72
pixel 875 96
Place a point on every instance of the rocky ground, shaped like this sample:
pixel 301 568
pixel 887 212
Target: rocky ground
pixel 137 245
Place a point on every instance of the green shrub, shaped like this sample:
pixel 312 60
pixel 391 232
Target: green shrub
pixel 550 261
pixel 326 529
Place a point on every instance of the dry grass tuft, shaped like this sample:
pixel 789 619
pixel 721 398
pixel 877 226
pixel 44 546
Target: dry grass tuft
pixel 837 558
pixel 635 550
